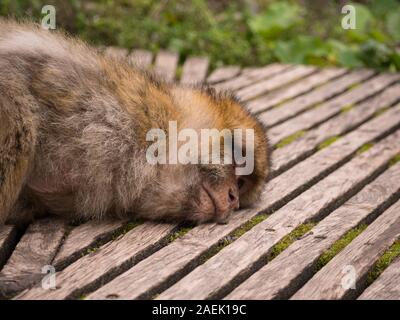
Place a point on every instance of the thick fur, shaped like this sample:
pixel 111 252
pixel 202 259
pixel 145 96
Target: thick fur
pixel 73 128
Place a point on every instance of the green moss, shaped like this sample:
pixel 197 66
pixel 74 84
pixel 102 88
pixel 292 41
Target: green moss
pixel 394 160
pixel 380 111
pixel 128 227
pixel 365 147
pixel 353 86
pixel 347 108
pixel 383 262
pixel 339 245
pixel 328 142
pixel 286 241
pixel 290 139
pixel 82 297
pixel 179 233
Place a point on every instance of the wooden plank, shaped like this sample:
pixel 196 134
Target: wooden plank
pixel 194 70
pixel 166 64
pixel 252 76
pixel 331 108
pixel 287 76
pixel 8 240
pixel 387 286
pixel 294 107
pixel 286 156
pixel 361 255
pixel 111 259
pixel 35 250
pixel 184 254
pixel 141 58
pixel 284 275
pixel 223 73
pixel 290 91
pixel 83 237
pixel 215 278
pixel 116 53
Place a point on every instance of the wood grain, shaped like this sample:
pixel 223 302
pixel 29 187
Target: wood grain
pixel 8 240
pixel 287 156
pixel 274 82
pixel 323 93
pixel 250 77
pixel 290 91
pixel 331 108
pixel 35 250
pixel 109 260
pixel 387 286
pixel 237 261
pixel 281 277
pixel 223 73
pixel 361 255
pixel 83 237
pixel 194 70
pixel 181 258
pixel 142 58
pixel 166 64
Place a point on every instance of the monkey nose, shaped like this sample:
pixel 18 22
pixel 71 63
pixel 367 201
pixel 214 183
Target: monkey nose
pixel 233 198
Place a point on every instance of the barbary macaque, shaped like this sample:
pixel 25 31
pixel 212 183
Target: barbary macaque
pixel 74 130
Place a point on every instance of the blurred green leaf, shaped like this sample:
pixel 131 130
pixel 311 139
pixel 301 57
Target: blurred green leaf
pixel 393 24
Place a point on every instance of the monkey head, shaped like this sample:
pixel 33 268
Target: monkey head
pixel 204 190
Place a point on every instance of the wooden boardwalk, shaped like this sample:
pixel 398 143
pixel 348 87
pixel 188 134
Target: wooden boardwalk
pixel 327 227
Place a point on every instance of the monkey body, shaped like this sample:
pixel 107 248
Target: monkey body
pixel 73 134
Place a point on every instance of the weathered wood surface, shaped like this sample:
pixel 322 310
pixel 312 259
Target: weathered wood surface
pixel 356 260
pixel 109 260
pixel 142 58
pixel 387 286
pixel 35 250
pixel 294 107
pixel 299 149
pixel 287 76
pixel 223 74
pixel 290 91
pixel 217 276
pixel 194 70
pixel 83 237
pixel 313 179
pixel 166 64
pixel 250 77
pixel 281 277
pixel 329 109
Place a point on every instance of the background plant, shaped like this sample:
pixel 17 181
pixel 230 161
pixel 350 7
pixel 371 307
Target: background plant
pixel 244 32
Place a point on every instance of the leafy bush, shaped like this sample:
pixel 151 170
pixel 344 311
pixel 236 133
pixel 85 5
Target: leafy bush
pixel 244 32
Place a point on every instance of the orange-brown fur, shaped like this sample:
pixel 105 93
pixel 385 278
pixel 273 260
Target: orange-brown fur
pixel 73 128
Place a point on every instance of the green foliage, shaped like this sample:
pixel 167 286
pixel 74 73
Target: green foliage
pixel 235 32
pixel 384 261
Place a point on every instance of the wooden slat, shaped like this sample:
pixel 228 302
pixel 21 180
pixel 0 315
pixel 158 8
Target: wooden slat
pixel 329 109
pixel 185 253
pixel 344 122
pixel 116 53
pixel 8 239
pixel 194 70
pixel 387 286
pixel 223 73
pixel 166 64
pixel 109 260
pixel 275 82
pixel 252 76
pixel 236 262
pixel 361 254
pixel 325 92
pixel 284 275
pixel 142 58
pixel 269 100
pixel 35 250
pixel 83 237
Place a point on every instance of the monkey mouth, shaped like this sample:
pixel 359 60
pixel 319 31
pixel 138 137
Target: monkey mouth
pixel 220 216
